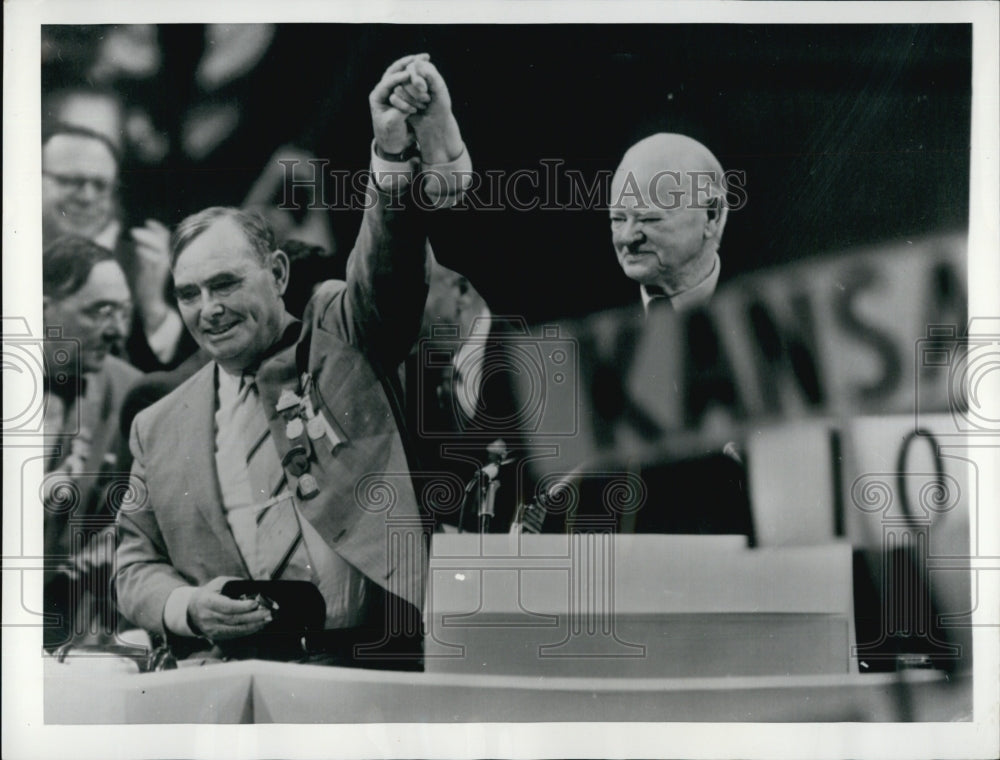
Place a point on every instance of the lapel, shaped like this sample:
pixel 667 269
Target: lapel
pixel 98 415
pixel 89 411
pixel 275 374
pixel 350 397
pixel 198 441
pixel 284 370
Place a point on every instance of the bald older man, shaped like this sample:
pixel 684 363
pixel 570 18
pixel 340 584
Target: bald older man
pixel 668 211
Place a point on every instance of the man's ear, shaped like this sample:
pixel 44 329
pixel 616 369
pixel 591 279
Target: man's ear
pixel 715 218
pixel 280 268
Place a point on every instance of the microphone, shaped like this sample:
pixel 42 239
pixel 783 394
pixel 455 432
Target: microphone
pixel 491 470
pixel 733 452
pixel 532 517
pixel 497 451
pixel 485 480
pixel 498 457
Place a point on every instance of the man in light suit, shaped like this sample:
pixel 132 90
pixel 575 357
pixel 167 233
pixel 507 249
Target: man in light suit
pixel 342 504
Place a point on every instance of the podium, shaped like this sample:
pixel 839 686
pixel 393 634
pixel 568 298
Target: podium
pixel 659 606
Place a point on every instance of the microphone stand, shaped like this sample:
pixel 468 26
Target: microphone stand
pixel 487 501
pixel 486 481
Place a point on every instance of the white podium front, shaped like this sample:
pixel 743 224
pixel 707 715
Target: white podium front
pixel 656 606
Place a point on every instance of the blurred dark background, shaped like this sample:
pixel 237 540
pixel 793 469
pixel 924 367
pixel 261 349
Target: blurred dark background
pixel 848 134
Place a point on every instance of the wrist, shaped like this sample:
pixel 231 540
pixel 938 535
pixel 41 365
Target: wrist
pixel 441 145
pixel 409 151
pixel 193 625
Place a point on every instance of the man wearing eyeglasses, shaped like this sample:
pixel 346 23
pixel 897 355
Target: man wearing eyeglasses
pixel 86 312
pixel 80 174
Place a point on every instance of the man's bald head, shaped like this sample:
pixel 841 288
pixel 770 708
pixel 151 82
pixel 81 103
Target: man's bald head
pixel 668 210
pixel 656 161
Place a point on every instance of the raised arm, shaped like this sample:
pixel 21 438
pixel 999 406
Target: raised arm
pixel 387 271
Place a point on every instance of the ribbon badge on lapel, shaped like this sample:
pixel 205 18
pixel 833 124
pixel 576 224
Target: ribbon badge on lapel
pixel 316 424
pixel 296 459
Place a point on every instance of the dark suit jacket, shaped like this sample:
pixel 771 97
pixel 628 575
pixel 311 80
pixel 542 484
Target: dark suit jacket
pixel 450 442
pixel 354 335
pixel 97 410
pixel 75 528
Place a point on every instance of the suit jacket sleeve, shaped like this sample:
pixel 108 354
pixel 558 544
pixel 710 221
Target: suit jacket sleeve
pixel 381 308
pixel 144 577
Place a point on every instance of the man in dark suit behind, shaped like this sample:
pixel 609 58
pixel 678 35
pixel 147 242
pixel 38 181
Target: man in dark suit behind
pixel 270 462
pixel 668 210
pixel 462 407
pixel 86 307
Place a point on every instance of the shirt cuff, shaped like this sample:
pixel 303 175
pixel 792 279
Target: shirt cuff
pixel 444 184
pixel 392 177
pixel 163 341
pixel 175 611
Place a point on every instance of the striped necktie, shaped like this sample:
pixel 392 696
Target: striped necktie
pixel 263 468
pixel 278 548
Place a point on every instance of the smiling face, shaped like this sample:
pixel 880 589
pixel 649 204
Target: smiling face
pixel 94 319
pixel 664 229
pixel 78 180
pixel 229 300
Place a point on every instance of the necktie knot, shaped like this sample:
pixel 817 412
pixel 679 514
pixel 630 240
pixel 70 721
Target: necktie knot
pixel 658 299
pixel 248 382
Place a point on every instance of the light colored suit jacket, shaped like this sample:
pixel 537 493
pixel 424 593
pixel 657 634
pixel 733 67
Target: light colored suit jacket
pixel 354 335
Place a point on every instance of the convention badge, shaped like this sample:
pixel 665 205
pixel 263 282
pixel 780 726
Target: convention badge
pixel 296 461
pixel 315 427
pixel 331 434
pixel 288 403
pixel 294 428
pixel 295 432
pixel 308 487
pixel 316 424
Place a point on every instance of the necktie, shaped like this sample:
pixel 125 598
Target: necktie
pixel 278 548
pixel 658 300
pixel 263 468
pixel 280 551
